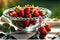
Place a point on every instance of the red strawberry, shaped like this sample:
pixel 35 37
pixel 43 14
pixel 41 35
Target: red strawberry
pixel 14 14
pixel 10 14
pixel 10 11
pixel 42 30
pixel 36 14
pixel 48 27
pixel 42 36
pixel 41 12
pixel 21 13
pixel 27 10
pixel 33 22
pixel 26 23
pixel 29 16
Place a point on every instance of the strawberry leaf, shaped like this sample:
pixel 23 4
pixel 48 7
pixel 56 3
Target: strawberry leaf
pixel 32 11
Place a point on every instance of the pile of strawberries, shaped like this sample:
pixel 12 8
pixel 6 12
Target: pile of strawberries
pixel 44 30
pixel 25 23
pixel 26 12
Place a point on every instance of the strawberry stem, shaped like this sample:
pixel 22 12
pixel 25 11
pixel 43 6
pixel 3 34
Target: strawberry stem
pixel 32 11
pixel 27 5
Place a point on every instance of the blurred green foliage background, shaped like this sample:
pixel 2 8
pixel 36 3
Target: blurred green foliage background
pixel 53 5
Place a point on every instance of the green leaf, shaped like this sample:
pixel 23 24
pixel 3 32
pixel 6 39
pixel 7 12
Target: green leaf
pixel 6 27
pixel 32 11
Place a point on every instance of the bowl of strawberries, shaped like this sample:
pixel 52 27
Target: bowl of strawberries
pixel 27 18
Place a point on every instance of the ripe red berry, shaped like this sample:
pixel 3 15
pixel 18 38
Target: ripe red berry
pixel 42 30
pixel 48 27
pixel 42 36
pixel 41 12
pixel 14 14
pixel 21 13
pixel 33 22
pixel 27 10
pixel 36 14
pixel 26 23
pixel 29 16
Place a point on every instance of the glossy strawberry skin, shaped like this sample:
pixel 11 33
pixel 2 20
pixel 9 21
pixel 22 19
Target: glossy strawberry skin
pixel 26 23
pixel 48 27
pixel 42 36
pixel 40 13
pixel 21 13
pixel 36 14
pixel 11 12
pixel 33 22
pixel 27 10
pixel 14 14
pixel 29 16
pixel 42 30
